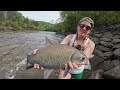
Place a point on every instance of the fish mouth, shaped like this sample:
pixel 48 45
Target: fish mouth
pixel 81 64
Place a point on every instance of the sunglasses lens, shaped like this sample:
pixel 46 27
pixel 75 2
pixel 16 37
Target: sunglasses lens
pixel 87 27
pixel 82 26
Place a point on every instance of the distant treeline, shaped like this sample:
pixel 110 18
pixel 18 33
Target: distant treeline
pixel 68 20
pixel 15 20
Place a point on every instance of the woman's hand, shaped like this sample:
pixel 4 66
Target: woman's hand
pixel 36 66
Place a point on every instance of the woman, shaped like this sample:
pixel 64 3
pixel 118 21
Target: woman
pixel 80 40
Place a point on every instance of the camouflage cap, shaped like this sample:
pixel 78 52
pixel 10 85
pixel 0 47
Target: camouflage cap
pixel 87 19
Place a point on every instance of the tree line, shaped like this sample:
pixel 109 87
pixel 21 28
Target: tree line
pixel 68 20
pixel 15 20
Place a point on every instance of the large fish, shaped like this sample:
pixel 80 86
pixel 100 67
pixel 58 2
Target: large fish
pixel 55 56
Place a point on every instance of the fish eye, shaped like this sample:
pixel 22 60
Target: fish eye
pixel 83 58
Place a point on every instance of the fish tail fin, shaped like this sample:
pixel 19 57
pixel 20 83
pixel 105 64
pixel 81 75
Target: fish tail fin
pixel 29 66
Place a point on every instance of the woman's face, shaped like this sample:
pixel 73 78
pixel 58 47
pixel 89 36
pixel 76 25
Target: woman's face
pixel 84 28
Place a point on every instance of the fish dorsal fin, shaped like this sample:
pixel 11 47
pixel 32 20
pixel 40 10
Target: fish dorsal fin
pixel 48 42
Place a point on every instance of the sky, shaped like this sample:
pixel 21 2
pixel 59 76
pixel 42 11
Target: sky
pixel 47 16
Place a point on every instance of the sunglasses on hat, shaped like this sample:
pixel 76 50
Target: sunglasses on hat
pixel 87 27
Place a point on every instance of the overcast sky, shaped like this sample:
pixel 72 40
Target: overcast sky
pixel 47 16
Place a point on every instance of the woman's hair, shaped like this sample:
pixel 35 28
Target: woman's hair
pixel 87 19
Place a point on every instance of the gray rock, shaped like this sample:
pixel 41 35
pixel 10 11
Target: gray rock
pixel 96 74
pixel 97 32
pixel 102 48
pixel 95 40
pixel 116 32
pixel 115 63
pixel 95 61
pixel 113 73
pixel 33 74
pixel 105 39
pixel 107 65
pixel 117 52
pixel 116 41
pixel 119 33
pixel 108 54
pixel 98 53
pixel 107 35
pixel 116 46
pixel 106 44
pixel 116 37
pixel 98 35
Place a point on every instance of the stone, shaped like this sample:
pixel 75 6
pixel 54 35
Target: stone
pixel 113 73
pixel 105 39
pixel 102 48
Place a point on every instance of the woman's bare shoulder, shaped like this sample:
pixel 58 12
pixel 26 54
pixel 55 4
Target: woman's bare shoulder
pixel 67 39
pixel 91 43
pixel 70 36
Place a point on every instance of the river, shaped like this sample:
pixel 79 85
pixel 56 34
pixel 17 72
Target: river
pixel 14 45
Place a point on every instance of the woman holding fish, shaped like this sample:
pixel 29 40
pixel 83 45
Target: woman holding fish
pixel 81 41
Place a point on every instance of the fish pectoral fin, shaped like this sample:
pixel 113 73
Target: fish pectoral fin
pixel 29 66
pixel 92 56
pixel 66 71
pixel 47 73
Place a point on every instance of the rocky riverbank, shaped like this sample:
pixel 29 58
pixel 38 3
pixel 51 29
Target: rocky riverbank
pixel 107 53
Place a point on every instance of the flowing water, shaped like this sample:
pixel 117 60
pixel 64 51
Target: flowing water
pixel 14 45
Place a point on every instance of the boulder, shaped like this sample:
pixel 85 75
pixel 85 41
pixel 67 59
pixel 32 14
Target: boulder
pixel 116 37
pixel 115 63
pixel 98 35
pixel 96 74
pixel 116 46
pixel 107 65
pixel 107 35
pixel 108 54
pixel 102 48
pixel 105 39
pixel 106 44
pixel 116 41
pixel 113 73
pixel 117 53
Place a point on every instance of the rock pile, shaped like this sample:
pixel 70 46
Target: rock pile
pixel 107 52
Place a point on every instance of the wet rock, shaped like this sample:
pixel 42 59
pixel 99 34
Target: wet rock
pixel 107 35
pixel 108 54
pixel 116 32
pixel 107 65
pixel 115 63
pixel 105 39
pixel 95 61
pixel 116 41
pixel 116 37
pixel 98 53
pixel 98 35
pixel 33 74
pixel 96 74
pixel 117 53
pixel 106 44
pixel 102 48
pixel 116 46
pixel 113 73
